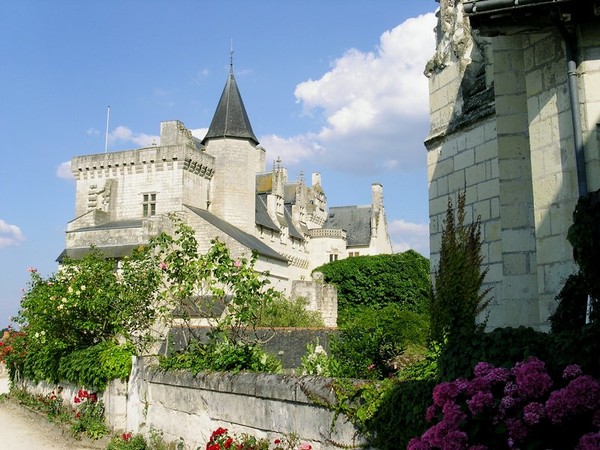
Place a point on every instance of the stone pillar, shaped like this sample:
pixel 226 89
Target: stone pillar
pixel 519 266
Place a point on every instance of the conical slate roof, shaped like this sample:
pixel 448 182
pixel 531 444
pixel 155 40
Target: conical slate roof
pixel 230 119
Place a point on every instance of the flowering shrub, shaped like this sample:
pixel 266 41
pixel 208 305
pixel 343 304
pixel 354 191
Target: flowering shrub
pixel 127 441
pixel 315 361
pixel 89 415
pixel 518 408
pixel 220 439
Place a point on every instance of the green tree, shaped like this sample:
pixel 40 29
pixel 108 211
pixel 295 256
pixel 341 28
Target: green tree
pixel 457 296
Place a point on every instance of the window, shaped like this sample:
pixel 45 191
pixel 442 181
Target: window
pixel 149 205
pixel 333 257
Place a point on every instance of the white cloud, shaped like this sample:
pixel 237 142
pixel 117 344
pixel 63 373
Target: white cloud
pixel 126 135
pixel 292 151
pixel 10 234
pixel 92 132
pixel 64 171
pixel 199 133
pixel 374 104
pixel 407 235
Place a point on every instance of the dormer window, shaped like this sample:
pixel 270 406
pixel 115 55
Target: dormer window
pixel 149 204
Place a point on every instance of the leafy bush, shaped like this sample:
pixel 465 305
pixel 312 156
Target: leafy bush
pixel 221 355
pixel 521 407
pixel 97 365
pixel 127 441
pixel 376 281
pixel 572 305
pixel 457 298
pixel 315 361
pixel 89 415
pixel 584 236
pixel 504 347
pixel 400 415
pixel 281 312
pixel 369 342
pixel 86 303
pixel 221 439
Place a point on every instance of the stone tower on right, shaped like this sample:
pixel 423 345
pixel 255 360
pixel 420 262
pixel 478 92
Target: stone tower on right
pixel 515 122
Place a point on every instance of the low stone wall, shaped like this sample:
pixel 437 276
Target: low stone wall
pixel 189 407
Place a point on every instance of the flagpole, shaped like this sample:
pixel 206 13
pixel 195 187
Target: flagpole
pixel 106 134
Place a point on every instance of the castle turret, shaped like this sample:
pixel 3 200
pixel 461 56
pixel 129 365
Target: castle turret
pixel 238 158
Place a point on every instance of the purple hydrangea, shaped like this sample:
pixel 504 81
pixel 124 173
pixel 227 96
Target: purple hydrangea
pixel 418 444
pixel 483 368
pixel 531 378
pixel 590 441
pixel 480 402
pixel 533 413
pixel 517 430
pixel 580 395
pixel 443 393
pixel 572 371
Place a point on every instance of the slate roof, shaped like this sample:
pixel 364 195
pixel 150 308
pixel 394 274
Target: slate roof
pixel 111 251
pixel 292 230
pixel 356 220
pixel 252 242
pixel 262 216
pixel 230 119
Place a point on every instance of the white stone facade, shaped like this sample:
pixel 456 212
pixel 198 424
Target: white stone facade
pixel 501 128
pixel 220 187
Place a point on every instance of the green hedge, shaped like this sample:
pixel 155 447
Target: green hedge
pixel 376 281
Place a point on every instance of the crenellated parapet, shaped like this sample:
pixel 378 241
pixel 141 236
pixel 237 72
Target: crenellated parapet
pixel 157 158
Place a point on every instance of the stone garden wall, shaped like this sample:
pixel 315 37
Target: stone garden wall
pixel 189 408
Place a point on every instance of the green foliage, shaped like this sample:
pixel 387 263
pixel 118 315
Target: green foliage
pixel 89 420
pixel 127 441
pixel 376 281
pixel 457 298
pixel 369 342
pixel 400 415
pixel 584 236
pixel 423 369
pixel 216 277
pixel 504 347
pixel 95 366
pixel 572 305
pixel 222 355
pixel 315 361
pixel 86 303
pixel 281 312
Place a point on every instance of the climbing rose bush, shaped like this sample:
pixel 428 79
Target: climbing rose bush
pixel 522 407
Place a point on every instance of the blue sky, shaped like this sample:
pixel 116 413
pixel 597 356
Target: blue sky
pixel 332 86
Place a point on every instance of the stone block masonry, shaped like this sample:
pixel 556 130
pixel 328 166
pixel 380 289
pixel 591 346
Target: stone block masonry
pixel 189 408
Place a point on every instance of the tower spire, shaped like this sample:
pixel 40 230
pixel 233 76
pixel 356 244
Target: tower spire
pixel 231 58
pixel 230 119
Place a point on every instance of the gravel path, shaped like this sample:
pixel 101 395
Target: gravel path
pixel 21 428
pixel 25 429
